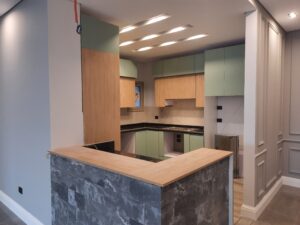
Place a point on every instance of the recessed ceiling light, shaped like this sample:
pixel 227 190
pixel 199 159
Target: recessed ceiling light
pixel 156 19
pixel 168 43
pixel 148 37
pixel 196 37
pixel 144 49
pixel 127 29
pixel 176 29
pixel 292 15
pixel 126 43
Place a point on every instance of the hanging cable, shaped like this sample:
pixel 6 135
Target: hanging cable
pixel 78 26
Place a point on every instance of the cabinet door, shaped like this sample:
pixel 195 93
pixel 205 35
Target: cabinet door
pixel 199 91
pixel 161 145
pixel 234 70
pixel 152 144
pixel 186 138
pixel 214 72
pixel 199 63
pixel 179 87
pixel 127 92
pixel 157 68
pixel 196 142
pixel 140 143
pixel 128 68
pixel 185 65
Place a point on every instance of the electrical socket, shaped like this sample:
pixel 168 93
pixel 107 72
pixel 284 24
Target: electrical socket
pixel 20 190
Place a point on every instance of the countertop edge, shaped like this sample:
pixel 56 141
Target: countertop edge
pixel 143 170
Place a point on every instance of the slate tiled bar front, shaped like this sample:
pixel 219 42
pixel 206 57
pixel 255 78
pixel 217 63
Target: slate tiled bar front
pixel 88 193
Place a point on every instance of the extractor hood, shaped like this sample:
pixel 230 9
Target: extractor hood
pixel 6 5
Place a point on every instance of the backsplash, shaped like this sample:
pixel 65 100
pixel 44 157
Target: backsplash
pixel 183 112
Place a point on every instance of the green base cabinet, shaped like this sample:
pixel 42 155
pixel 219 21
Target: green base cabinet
pixel 224 71
pixel 193 142
pixel 149 143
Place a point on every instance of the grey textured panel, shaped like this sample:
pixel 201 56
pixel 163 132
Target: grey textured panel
pixel 200 199
pixel 83 194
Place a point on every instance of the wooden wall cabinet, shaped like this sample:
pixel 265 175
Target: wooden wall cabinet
pixel 127 92
pixel 179 87
pixel 100 81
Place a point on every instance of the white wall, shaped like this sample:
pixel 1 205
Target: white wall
pixel 232 115
pixel 65 76
pixel 24 107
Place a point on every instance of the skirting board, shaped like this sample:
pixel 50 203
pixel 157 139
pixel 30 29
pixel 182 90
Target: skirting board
pixel 17 209
pixel 253 213
pixel 290 181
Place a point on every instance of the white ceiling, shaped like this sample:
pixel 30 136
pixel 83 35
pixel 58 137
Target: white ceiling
pixel 280 10
pixel 6 5
pixel 222 20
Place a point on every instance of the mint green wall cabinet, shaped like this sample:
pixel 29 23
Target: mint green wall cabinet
pixel 93 35
pixel 234 70
pixel 150 143
pixel 224 71
pixel 184 65
pixel 193 142
pixel 214 74
pixel 128 69
pixel 199 63
pixel 157 68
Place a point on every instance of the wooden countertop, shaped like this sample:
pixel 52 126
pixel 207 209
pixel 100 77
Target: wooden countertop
pixel 160 174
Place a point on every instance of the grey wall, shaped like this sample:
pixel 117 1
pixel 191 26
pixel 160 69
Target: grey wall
pixel 24 107
pixel 291 107
pixel 263 129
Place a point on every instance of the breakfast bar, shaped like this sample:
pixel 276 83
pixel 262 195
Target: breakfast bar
pixel 98 187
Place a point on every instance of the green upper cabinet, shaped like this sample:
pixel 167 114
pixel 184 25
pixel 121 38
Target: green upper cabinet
pixel 214 72
pixel 128 68
pixel 224 71
pixel 99 35
pixel 193 142
pixel 199 63
pixel 157 68
pixel 184 65
pixel 234 70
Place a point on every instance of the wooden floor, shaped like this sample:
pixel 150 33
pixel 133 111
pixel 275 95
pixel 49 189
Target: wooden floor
pixel 238 199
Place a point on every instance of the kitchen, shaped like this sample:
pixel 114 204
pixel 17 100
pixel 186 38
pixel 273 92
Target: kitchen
pixel 156 110
pixel 129 104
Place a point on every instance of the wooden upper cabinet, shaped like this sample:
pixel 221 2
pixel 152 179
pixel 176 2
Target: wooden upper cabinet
pixel 200 91
pixel 127 92
pixel 179 87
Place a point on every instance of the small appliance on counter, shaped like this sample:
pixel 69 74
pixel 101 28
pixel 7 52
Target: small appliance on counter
pixel 229 143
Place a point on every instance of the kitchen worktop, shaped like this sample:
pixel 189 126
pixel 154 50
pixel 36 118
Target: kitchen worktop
pixel 162 127
pixel 160 174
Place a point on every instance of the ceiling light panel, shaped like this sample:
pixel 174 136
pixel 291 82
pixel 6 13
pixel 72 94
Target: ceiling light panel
pixel 196 37
pixel 126 43
pixel 156 19
pixel 149 37
pixel 152 20
pixel 167 43
pixel 144 49
pixel 127 29
pixel 177 29
pixel 292 15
